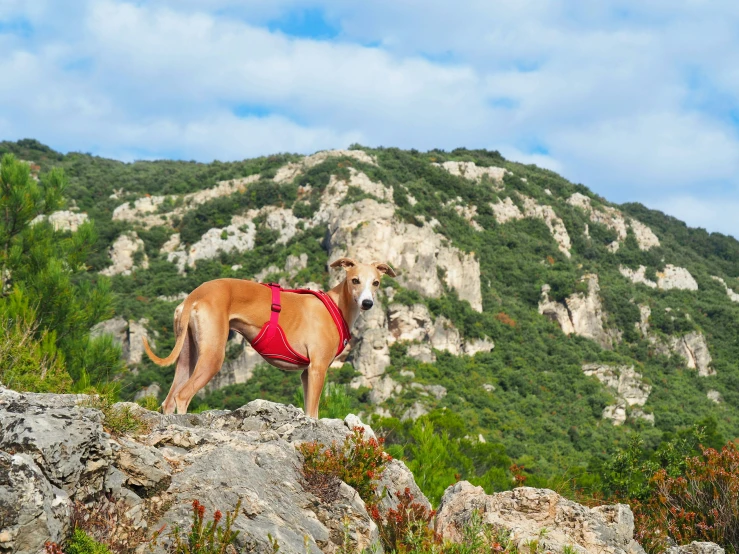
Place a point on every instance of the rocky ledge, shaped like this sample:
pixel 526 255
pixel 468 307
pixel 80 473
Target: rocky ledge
pixel 58 464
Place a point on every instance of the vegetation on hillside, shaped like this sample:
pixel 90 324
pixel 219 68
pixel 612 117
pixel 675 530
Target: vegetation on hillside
pixel 539 416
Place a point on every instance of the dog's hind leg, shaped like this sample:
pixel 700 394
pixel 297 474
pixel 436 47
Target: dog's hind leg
pixel 211 336
pixel 185 367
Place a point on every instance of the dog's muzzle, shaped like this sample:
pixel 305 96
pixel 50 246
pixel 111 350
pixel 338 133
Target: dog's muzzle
pixel 367 304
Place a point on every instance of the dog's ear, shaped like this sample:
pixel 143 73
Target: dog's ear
pixel 384 269
pixel 346 263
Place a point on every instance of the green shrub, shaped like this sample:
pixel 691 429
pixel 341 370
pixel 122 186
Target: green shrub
pixel 82 543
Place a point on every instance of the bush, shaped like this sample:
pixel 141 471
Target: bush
pixel 702 504
pixel 408 523
pixel 359 462
pixel 29 361
pixel 82 543
pixel 203 538
pixel 117 420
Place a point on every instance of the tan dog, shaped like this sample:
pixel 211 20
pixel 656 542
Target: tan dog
pixel 203 320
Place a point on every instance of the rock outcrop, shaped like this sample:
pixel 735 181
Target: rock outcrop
pixel 368 230
pixel 580 314
pixel 505 210
pixel 617 222
pixel 54 452
pixel 673 277
pixel 151 211
pixel 540 515
pixel 289 171
pixel 473 172
pixel 128 335
pixel 378 329
pixel 729 292
pixel 237 237
pixel 637 276
pixel 64 220
pixel 627 387
pixel 534 210
pixel 123 254
pixel 691 347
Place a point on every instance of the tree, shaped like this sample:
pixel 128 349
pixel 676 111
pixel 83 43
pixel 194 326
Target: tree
pixel 48 301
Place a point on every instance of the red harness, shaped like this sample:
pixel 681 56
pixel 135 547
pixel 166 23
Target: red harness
pixel 271 341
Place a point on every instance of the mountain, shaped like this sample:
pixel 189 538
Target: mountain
pixel 532 321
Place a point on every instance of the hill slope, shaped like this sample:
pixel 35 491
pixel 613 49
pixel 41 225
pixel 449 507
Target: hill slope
pixel 534 320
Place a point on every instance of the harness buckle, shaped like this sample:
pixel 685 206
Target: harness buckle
pixel 276 307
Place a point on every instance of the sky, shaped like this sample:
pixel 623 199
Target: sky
pixel 637 100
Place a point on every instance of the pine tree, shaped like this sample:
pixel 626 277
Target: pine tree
pixel 48 301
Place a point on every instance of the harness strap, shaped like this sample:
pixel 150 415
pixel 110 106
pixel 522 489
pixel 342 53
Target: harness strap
pixel 276 308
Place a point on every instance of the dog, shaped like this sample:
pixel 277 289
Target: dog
pixel 313 332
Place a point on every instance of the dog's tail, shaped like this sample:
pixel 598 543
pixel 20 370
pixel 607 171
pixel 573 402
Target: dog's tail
pixel 181 338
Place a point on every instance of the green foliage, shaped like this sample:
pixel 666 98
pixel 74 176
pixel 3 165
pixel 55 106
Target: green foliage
pixel 82 543
pixel 212 537
pixel 335 401
pixel 29 361
pixel 359 462
pixel 528 398
pixel 44 284
pixel 117 419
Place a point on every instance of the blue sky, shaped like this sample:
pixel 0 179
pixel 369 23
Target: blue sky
pixel 637 100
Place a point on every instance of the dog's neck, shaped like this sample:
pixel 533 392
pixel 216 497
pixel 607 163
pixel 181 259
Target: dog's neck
pixel 343 298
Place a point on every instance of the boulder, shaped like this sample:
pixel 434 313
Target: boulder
pixel 54 451
pixel 540 515
pixel 696 547
pixel 65 440
pixel 32 510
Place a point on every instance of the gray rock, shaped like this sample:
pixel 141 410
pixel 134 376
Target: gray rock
pixel 526 511
pixel 581 314
pixel 144 467
pixel 215 457
pixel 696 547
pixel 65 440
pixel 32 511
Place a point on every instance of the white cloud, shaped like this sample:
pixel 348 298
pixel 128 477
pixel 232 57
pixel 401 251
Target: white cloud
pixel 716 214
pixel 627 97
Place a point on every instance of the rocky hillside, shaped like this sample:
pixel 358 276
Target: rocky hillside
pixel 60 468
pixel 528 313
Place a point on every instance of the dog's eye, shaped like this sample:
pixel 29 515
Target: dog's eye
pixel 355 281
pixel 376 284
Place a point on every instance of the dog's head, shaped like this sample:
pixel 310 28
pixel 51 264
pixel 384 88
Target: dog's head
pixel 362 280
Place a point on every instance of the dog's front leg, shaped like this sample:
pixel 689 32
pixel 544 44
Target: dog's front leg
pixel 313 379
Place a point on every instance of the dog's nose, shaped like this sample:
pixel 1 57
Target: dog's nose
pixel 366 304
